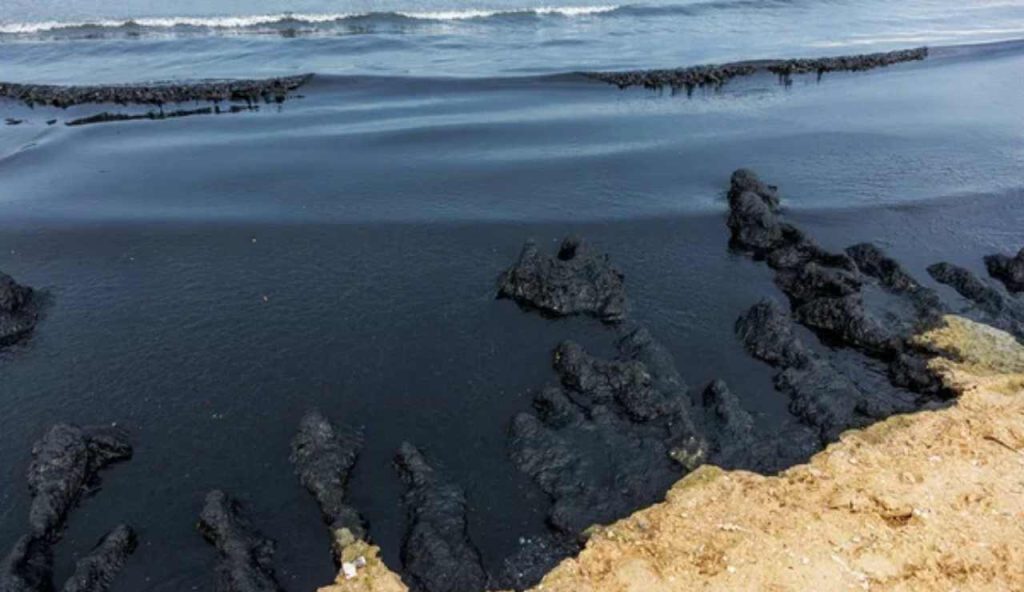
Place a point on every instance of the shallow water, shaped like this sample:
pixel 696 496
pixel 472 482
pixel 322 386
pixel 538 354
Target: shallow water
pixel 214 277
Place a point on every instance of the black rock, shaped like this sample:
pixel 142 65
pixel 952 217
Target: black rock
pixel 246 557
pixel 715 76
pixel 820 394
pixel 729 426
pixel 96 571
pixel 1000 311
pixel 65 463
pixel 1009 270
pixel 249 91
pixel 436 553
pixel 572 282
pixel 537 555
pixel 324 457
pixel 19 310
pixel 611 437
pixel 28 567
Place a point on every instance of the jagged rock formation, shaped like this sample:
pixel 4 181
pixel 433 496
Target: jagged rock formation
pixel 1001 311
pixel 820 395
pixel 715 76
pixel 65 465
pixel 1009 270
pixel 826 290
pixel 437 554
pixel 246 556
pixel 918 502
pixel 247 91
pixel 572 282
pixel 324 456
pixel 96 571
pixel 19 310
pixel 611 436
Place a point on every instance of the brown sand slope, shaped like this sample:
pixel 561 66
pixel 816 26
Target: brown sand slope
pixel 929 501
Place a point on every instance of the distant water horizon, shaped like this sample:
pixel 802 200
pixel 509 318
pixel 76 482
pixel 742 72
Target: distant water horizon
pixel 143 40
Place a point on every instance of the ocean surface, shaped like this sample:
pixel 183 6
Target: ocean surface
pixel 214 277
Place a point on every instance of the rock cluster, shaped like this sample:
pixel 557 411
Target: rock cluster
pixel 715 76
pixel 247 91
pixel 1009 270
pixel 826 290
pixel 19 310
pixel 998 309
pixel 65 466
pixel 574 281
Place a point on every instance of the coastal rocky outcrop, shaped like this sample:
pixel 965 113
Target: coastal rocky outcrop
pixel 610 436
pixel 1004 312
pixel 924 501
pixel 573 281
pixel 1009 270
pixel 715 76
pixel 916 502
pixel 820 395
pixel 19 310
pixel 437 554
pixel 246 556
pixel 64 468
pixel 826 290
pixel 249 92
pixel 324 456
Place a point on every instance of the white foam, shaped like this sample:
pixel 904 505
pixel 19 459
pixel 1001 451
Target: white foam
pixel 242 22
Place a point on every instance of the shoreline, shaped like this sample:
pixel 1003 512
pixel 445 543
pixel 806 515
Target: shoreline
pixel 858 514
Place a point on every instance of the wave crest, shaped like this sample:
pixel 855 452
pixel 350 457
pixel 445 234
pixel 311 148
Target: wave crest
pixel 289 18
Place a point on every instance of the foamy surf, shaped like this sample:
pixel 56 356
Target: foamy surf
pixel 289 18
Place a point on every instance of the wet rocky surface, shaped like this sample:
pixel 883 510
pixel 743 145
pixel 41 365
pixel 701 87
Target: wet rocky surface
pixel 437 554
pixel 573 281
pixel 65 465
pixel 246 557
pixel 250 92
pixel 19 310
pixel 998 309
pixel 96 571
pixel 714 76
pixel 324 456
pixel 1008 270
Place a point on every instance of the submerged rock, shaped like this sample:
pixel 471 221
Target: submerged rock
pixel 574 281
pixel 246 557
pixel 96 571
pixel 324 456
pixel 715 76
pixel 437 553
pixel 19 310
pixel 1009 270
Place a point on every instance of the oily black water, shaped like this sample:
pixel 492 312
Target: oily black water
pixel 213 278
